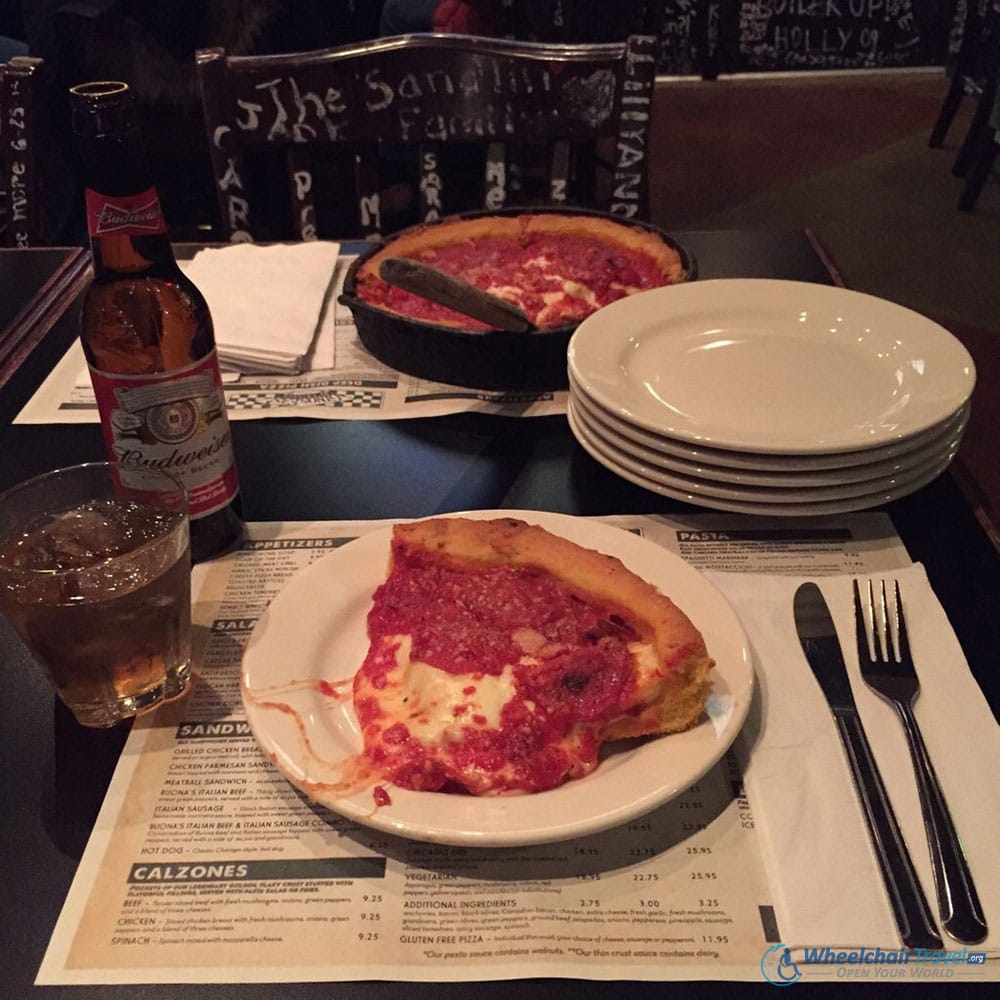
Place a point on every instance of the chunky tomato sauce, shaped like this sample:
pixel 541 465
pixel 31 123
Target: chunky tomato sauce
pixel 481 621
pixel 547 275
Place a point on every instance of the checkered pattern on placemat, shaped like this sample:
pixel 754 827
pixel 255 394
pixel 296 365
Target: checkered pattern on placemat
pixel 263 399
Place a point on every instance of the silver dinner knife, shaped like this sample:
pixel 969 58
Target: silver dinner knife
pixel 822 650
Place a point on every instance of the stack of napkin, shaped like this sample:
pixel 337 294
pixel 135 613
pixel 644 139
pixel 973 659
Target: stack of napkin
pixel 267 302
pixel 819 859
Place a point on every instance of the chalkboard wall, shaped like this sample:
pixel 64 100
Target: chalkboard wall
pixel 818 34
pixel 709 37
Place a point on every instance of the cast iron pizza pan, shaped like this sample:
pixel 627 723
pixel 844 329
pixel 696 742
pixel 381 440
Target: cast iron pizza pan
pixel 490 359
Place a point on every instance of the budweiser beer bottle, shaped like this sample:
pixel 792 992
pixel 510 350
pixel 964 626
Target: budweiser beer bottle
pixel 146 329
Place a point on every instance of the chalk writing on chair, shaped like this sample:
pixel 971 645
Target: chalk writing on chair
pixel 17 186
pixel 414 124
pixel 516 100
pixel 430 186
pixel 382 94
pixel 485 76
pixel 496 177
pixel 631 145
pixel 290 112
pixel 237 207
pixel 370 212
pixel 302 186
pixel 590 98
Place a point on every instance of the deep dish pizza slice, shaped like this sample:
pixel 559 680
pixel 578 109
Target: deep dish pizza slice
pixel 502 656
pixel 556 268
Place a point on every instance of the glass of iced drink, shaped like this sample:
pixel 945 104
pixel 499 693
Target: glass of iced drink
pixel 95 577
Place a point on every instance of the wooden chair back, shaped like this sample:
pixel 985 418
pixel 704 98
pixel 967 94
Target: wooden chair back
pixel 475 122
pixel 22 150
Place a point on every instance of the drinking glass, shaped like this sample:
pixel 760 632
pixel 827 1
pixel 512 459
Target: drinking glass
pixel 95 578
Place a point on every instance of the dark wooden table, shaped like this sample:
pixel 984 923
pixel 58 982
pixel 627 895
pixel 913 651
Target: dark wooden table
pixel 38 288
pixel 54 774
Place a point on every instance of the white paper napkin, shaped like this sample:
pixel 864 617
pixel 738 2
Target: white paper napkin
pixel 267 302
pixel 828 890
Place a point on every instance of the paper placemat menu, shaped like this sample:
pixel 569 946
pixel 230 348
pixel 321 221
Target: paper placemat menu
pixel 206 865
pixel 342 381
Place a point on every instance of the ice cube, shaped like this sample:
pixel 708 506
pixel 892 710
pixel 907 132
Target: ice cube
pixel 81 537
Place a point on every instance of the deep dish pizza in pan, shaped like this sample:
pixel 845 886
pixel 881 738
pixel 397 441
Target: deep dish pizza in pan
pixel 557 268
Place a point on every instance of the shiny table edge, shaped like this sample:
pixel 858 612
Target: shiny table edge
pixel 28 326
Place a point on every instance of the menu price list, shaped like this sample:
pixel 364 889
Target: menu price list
pixel 206 865
pixel 230 866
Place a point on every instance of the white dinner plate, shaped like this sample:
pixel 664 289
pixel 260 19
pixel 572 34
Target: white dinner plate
pixel 313 635
pixel 702 483
pixel 839 464
pixel 595 420
pixel 755 364
pixel 815 508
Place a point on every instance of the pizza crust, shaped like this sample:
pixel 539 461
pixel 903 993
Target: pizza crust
pixel 422 239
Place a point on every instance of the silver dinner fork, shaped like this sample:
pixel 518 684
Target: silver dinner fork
pixel 890 673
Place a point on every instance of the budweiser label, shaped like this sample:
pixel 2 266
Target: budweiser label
pixel 128 215
pixel 174 421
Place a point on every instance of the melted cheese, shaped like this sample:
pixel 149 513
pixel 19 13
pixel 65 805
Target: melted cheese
pixel 435 705
pixel 648 671
pixel 509 292
pixel 540 261
pixel 576 290
pixel 625 289
pixel 564 287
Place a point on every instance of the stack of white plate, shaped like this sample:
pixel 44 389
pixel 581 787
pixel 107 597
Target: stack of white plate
pixel 768 397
